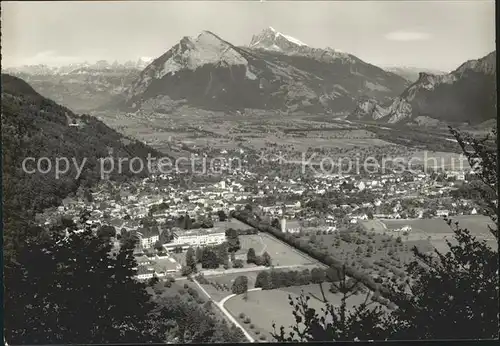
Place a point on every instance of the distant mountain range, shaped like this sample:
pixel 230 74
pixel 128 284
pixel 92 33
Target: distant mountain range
pixel 275 72
pixel 81 86
pixel 411 73
pixel 467 94
pixel 79 68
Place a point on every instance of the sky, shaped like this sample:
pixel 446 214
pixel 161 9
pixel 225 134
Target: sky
pixel 437 35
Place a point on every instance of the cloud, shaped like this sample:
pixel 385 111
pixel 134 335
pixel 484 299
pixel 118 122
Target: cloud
pixel 407 36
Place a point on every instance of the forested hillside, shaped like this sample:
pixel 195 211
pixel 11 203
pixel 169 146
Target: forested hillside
pixel 34 126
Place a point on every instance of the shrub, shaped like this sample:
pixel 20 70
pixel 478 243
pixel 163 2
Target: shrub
pixel 251 326
pixel 181 291
pixel 262 337
pixel 257 332
pixel 168 284
pixel 241 315
pixel 186 286
pixel 238 263
pixel 193 292
pixel 247 320
pixel 392 306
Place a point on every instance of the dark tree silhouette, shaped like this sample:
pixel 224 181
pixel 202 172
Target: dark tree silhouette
pixel 191 259
pixel 251 256
pixel 54 274
pixel 240 285
pixel 334 323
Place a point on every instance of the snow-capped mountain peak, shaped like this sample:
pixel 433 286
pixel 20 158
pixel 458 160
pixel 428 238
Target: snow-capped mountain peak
pixel 271 39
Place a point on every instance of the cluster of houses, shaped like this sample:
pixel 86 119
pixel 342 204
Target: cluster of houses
pixel 155 265
pixel 124 206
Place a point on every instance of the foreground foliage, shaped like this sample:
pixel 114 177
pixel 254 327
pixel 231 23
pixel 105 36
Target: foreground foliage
pixel 73 290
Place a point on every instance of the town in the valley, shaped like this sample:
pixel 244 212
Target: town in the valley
pixel 369 221
pixel 178 172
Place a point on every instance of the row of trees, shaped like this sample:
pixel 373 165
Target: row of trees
pixel 269 280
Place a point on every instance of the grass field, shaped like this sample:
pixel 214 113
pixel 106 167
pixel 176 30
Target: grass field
pixel 255 241
pixel 284 255
pixel 266 307
pixel 476 224
pixel 437 230
pixel 263 308
pixel 373 253
pixel 314 291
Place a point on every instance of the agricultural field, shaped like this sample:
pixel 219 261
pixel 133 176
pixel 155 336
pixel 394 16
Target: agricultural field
pixel 291 134
pixel 376 254
pixel 441 159
pixel 314 291
pixel 263 308
pixel 283 254
pixel 255 241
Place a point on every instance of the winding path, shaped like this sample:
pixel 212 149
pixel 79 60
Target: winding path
pixel 220 305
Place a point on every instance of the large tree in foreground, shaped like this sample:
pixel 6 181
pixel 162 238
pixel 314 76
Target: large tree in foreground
pixel 449 295
pixel 178 321
pixel 72 289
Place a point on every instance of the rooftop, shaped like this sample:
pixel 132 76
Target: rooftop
pixel 199 231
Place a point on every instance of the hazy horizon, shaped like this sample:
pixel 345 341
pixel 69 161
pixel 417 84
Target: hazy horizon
pixel 437 35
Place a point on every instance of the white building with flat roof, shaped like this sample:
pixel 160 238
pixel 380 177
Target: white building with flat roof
pixel 198 237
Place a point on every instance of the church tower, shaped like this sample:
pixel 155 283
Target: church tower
pixel 283 219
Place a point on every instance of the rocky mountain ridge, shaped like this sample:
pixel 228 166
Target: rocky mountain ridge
pixel 467 94
pixel 411 73
pixel 209 72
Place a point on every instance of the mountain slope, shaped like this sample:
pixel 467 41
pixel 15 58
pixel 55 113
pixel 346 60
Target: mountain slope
pixel 34 126
pixel 411 73
pixel 209 72
pixel 468 94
